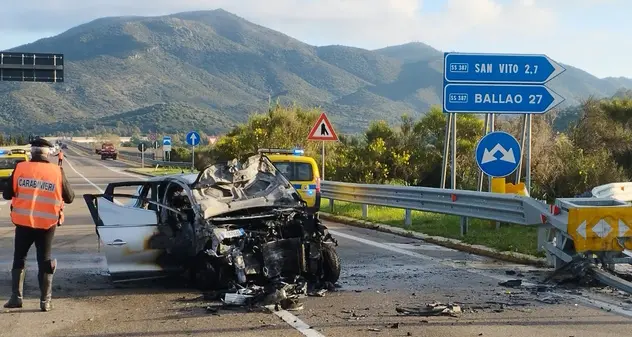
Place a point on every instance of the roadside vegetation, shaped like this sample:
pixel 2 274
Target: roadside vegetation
pixel 593 149
pixel 161 171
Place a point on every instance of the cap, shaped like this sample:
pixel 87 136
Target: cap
pixel 41 142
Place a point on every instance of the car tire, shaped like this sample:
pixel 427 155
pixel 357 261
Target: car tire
pixel 331 264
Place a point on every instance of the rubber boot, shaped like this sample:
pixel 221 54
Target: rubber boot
pixel 17 289
pixel 46 290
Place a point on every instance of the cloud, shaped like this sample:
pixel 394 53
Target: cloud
pixel 561 28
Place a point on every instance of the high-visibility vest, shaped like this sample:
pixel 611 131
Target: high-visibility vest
pixel 60 155
pixel 37 200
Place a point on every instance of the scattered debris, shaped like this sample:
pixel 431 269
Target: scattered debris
pixel 395 326
pixel 432 309
pixel 548 300
pixel 374 329
pixel 511 283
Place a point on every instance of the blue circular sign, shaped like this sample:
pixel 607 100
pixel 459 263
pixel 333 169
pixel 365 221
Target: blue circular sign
pixel 193 138
pixel 498 154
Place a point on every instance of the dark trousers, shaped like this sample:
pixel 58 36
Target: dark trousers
pixel 43 239
pixel 59 162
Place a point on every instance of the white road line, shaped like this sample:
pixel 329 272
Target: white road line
pixel 295 322
pixel 84 177
pixel 90 182
pixel 591 302
pixel 122 171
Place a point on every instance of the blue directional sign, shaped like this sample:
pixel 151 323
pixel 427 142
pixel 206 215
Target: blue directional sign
pixel 494 98
pixel 499 83
pixel 193 138
pixel 498 154
pixel 500 68
pixel 166 140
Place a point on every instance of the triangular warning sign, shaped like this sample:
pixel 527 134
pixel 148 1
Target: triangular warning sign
pixel 322 130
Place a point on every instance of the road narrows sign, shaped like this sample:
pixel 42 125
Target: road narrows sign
pixel 322 130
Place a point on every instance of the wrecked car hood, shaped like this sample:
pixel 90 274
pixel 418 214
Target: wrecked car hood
pixel 232 186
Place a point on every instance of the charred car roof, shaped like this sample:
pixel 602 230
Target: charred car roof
pixel 233 186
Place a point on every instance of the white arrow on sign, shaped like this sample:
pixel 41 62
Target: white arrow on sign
pixel 193 138
pixel 508 156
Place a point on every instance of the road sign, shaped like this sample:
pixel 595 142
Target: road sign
pixel 193 138
pixel 166 143
pixel 499 83
pixel 31 67
pixel 142 147
pixel 500 68
pixel 322 130
pixel 498 154
pixel 498 98
pixel 152 137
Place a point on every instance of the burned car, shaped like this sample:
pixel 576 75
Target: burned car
pixel 233 223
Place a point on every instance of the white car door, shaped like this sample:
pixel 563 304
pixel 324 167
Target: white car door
pixel 126 230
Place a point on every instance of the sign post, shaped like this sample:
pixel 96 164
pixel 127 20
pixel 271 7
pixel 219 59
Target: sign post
pixel 323 131
pixel 142 148
pixel 498 83
pixel 166 147
pixel 193 139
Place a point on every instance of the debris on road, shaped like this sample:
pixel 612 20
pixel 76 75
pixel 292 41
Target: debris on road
pixel 431 309
pixel 511 283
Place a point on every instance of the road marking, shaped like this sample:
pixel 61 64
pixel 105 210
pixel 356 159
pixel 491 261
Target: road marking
pixel 122 171
pixel 592 302
pixel 84 177
pixel 90 182
pixel 295 322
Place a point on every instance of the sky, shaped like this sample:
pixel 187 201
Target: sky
pixel 594 35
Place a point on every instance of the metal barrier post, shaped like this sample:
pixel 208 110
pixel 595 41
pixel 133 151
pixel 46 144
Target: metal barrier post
pixel 465 223
pixel 365 211
pixel 331 205
pixel 408 218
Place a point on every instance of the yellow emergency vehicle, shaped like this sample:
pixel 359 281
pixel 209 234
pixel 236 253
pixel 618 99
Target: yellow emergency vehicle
pixel 8 160
pixel 301 171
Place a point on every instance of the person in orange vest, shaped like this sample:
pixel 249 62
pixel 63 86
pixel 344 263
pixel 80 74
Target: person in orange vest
pixel 60 157
pixel 38 190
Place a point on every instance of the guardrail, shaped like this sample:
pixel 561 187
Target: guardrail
pixel 133 157
pixel 571 226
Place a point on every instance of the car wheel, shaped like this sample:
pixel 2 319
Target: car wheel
pixel 331 264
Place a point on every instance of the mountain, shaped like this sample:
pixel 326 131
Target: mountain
pixel 212 69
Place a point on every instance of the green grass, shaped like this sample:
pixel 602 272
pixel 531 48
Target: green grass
pixel 512 238
pixel 161 171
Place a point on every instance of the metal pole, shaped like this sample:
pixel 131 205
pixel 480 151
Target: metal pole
pixel 142 155
pixel 446 146
pixel 527 179
pixel 323 161
pixel 480 174
pixel 522 149
pixel 193 158
pixel 492 128
pixel 453 145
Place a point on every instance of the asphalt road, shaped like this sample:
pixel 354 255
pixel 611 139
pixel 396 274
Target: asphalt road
pixel 380 273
